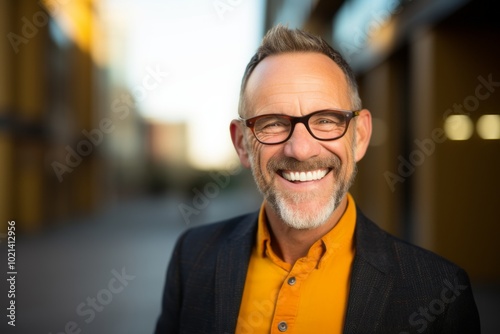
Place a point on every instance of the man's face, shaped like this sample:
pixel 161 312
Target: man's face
pixel 298 84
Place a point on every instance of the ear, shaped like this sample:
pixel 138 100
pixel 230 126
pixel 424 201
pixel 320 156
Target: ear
pixel 236 129
pixel 363 133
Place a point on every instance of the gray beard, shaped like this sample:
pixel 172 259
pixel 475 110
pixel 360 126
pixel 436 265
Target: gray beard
pixel 282 203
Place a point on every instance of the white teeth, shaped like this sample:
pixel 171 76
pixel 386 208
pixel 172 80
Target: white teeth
pixel 305 176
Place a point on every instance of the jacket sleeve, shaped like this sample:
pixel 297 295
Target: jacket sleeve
pixel 462 315
pixel 168 321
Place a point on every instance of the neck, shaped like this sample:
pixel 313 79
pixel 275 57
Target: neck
pixel 291 244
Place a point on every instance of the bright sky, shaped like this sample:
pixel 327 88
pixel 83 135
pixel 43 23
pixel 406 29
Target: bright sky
pixel 204 45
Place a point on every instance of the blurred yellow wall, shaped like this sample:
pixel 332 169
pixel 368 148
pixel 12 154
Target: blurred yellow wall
pixel 46 99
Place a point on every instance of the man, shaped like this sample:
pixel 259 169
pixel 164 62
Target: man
pixel 309 261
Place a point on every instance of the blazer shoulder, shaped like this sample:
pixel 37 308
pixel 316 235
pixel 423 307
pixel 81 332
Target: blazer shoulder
pixel 408 279
pixel 380 245
pixel 215 234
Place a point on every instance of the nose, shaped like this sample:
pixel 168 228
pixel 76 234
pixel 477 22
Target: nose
pixel 301 145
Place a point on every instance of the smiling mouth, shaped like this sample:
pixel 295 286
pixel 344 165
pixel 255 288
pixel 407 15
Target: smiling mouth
pixel 305 176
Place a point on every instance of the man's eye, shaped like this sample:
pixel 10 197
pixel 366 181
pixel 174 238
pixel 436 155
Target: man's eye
pixel 274 124
pixel 330 119
pixel 326 121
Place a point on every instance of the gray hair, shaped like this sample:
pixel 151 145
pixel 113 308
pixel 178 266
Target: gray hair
pixel 281 39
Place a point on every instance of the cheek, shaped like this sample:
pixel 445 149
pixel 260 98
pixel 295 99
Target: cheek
pixel 254 146
pixel 349 154
pixel 261 154
pixel 341 149
pixel 346 149
pixel 254 149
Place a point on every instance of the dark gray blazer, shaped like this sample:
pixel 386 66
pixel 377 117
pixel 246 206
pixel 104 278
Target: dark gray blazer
pixel 395 287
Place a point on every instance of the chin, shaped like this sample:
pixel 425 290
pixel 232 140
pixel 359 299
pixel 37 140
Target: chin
pixel 304 217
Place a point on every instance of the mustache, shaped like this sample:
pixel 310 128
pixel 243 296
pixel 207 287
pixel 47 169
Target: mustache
pixel 287 163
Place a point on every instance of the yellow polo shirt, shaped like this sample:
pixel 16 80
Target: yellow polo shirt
pixel 307 297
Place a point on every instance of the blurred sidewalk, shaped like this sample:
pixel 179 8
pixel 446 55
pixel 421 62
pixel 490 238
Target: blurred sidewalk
pixel 105 274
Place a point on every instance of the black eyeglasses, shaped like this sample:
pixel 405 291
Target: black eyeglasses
pixel 272 129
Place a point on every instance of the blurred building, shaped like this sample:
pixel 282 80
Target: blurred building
pixel 73 137
pixel 429 72
pixel 167 157
pixel 58 115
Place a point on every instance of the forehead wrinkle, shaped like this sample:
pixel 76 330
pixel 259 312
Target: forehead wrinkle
pixel 286 103
pixel 302 92
pixel 312 85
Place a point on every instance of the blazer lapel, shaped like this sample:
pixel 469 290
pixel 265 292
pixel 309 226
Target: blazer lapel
pixel 371 283
pixel 230 275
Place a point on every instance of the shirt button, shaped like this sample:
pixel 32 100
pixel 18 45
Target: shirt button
pixel 292 280
pixel 282 326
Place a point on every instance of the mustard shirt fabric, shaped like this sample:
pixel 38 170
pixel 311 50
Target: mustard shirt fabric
pixel 307 297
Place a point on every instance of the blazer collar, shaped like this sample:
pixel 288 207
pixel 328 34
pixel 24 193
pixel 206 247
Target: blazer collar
pixel 371 283
pixel 372 245
pixel 231 274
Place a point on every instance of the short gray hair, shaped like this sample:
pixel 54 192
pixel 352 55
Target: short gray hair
pixel 281 39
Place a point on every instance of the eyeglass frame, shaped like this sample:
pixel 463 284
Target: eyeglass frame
pixel 349 115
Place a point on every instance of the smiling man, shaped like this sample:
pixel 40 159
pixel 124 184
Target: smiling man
pixel 309 261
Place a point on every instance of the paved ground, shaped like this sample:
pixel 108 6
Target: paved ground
pixel 105 274
pixel 61 271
